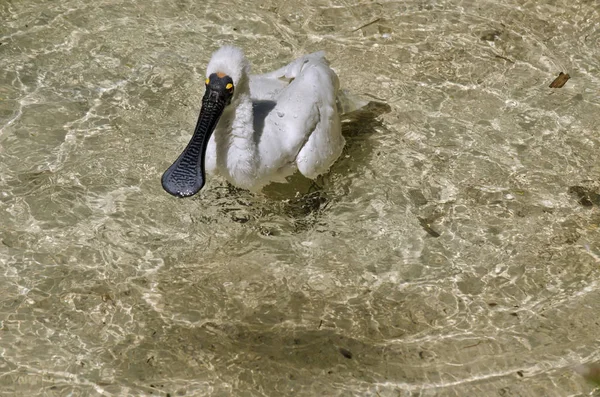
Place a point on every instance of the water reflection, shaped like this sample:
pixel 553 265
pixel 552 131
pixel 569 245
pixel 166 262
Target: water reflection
pixel 452 250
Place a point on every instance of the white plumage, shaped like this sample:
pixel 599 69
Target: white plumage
pixel 276 123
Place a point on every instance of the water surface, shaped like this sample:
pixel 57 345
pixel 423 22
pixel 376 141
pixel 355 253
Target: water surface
pixel 449 252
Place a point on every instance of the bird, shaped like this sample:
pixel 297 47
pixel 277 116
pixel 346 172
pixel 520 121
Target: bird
pixel 257 129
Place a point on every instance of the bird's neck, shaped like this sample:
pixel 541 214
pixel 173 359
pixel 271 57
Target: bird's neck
pixel 237 150
pixel 243 119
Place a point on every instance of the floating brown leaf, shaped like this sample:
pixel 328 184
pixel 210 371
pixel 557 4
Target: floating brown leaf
pixel 591 372
pixel 560 80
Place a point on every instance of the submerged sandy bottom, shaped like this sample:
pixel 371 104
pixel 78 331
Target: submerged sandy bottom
pixel 450 251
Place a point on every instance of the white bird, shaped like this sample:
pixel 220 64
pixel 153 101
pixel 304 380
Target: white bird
pixel 254 130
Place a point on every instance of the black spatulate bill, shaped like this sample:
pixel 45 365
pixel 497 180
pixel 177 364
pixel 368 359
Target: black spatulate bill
pixel 186 176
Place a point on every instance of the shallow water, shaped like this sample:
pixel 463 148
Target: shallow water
pixel 451 251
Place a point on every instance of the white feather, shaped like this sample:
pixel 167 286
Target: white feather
pixel 277 123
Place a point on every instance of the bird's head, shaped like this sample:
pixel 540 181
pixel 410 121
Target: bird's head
pixel 227 76
pixel 228 73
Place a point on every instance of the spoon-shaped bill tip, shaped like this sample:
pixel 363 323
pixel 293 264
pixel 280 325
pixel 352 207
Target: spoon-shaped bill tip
pixel 186 176
pixel 182 181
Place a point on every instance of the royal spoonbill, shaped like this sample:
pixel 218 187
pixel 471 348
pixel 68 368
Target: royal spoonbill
pixel 254 130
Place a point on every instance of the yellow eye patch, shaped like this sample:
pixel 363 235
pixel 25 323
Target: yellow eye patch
pixel 229 86
pixel 207 81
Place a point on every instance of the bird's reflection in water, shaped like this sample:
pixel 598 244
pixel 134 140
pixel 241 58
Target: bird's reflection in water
pixel 301 200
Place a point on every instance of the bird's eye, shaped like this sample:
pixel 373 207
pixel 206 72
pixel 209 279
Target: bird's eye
pixel 207 81
pixel 229 87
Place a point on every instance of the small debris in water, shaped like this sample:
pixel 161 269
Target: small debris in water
pixel 346 353
pixel 490 36
pixel 473 345
pixel 520 373
pixel 505 58
pixel 367 24
pixel 560 81
pixel 426 226
pixel 492 304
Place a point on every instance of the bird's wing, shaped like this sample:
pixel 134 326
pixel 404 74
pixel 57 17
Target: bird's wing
pixel 267 86
pixel 304 106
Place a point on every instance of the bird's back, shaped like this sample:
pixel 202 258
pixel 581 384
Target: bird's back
pixel 296 116
pixel 268 86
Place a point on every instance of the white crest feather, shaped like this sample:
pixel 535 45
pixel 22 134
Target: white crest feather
pixel 231 61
